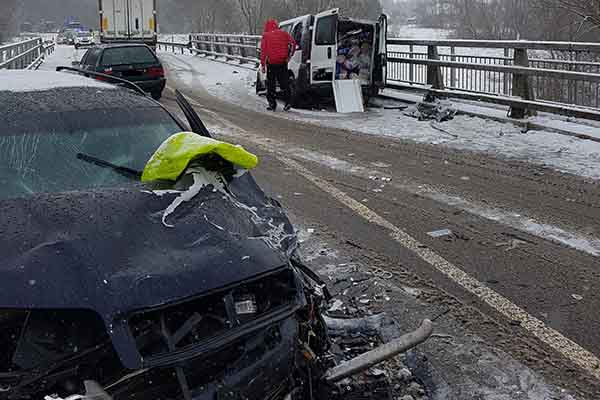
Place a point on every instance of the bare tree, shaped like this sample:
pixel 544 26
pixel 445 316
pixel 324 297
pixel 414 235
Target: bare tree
pixel 253 14
pixel 8 24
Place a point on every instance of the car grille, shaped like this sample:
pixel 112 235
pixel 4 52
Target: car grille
pixel 178 326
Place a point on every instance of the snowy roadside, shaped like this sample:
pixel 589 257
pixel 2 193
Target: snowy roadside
pixel 563 153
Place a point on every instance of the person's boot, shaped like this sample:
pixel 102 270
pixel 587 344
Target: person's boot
pixel 272 107
pixel 287 107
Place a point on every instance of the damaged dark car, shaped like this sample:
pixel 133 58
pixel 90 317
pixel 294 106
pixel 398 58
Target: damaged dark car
pixel 111 288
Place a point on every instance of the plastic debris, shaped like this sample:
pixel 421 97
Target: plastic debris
pixel 440 233
pixel 344 326
pixel 577 297
pixel 336 306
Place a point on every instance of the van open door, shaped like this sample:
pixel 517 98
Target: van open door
pixel 380 72
pixel 324 47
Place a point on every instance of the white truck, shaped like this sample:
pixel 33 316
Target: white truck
pixel 131 21
pixel 332 47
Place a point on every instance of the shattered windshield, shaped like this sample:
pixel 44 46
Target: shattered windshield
pixel 59 151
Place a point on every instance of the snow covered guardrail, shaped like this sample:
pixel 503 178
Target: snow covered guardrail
pixel 556 77
pixel 242 48
pixel 28 54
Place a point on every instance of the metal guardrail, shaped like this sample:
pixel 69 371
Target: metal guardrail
pixel 565 86
pixel 561 76
pixel 28 54
pixel 242 48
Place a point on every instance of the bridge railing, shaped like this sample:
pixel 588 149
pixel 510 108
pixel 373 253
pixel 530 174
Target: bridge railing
pixel 28 54
pixel 545 76
pixel 234 47
pixel 556 77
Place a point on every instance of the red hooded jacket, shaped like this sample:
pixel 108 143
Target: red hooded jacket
pixel 277 46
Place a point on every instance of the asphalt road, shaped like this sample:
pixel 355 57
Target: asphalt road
pixel 511 288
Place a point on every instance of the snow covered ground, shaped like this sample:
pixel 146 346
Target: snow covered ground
pixel 563 153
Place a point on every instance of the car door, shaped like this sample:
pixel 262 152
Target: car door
pixel 324 47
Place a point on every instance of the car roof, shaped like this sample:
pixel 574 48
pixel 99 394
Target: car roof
pixel 118 45
pixel 34 81
pixel 23 93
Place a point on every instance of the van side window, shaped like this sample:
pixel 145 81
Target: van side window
pixel 326 28
pixel 286 28
pixel 297 34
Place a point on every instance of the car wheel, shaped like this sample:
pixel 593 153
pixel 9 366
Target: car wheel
pixel 156 95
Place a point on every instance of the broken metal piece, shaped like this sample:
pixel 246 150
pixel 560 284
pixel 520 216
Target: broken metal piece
pixel 382 353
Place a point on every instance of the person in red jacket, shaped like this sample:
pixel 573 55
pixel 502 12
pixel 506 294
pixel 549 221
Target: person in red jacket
pixel 277 47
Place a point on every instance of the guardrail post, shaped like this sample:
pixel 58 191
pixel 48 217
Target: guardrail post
pixel 411 67
pixel 242 48
pixel 521 86
pixel 453 70
pixel 505 76
pixel 434 73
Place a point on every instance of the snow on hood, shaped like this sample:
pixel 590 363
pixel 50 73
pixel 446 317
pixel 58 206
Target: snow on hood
pixel 34 81
pixel 271 25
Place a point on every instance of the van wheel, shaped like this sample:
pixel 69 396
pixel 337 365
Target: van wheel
pixel 294 96
pixel 156 95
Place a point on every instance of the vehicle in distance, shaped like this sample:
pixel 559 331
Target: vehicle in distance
pixel 84 39
pixel 128 21
pixel 99 292
pixel 66 36
pixel 136 63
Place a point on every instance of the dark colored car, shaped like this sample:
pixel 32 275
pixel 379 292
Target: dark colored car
pixel 99 296
pixel 136 63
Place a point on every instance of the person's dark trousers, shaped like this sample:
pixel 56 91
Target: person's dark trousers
pixel 278 74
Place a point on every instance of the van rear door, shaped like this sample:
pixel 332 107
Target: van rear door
pixel 324 47
pixel 380 71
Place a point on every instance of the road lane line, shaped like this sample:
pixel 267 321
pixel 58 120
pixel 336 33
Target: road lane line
pixel 563 345
pixel 572 351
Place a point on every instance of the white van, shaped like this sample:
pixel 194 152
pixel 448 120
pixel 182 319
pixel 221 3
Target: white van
pixel 333 47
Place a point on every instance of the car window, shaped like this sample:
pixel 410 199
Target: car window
pixel 91 57
pixel 43 156
pixel 297 33
pixel 326 30
pixel 128 55
pixel 287 28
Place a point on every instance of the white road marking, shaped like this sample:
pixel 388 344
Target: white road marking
pixel 572 351
pixel 563 345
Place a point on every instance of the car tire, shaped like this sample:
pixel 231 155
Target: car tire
pixel 156 95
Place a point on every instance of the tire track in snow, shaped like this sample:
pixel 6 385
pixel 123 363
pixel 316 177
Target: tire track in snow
pixel 569 349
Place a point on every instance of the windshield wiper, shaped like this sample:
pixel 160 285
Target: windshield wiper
pixel 125 171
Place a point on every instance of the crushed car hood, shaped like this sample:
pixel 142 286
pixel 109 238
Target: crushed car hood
pixel 108 250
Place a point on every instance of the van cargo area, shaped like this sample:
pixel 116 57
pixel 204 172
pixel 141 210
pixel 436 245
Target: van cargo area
pixel 356 41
